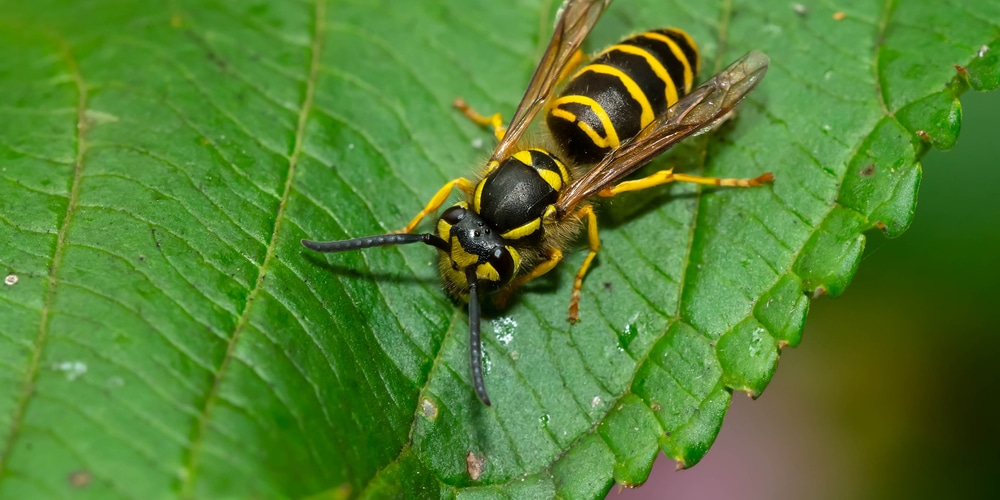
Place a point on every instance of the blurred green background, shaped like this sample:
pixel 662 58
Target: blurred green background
pixel 891 393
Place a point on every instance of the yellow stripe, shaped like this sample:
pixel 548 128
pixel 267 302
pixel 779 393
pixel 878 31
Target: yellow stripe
pixel 523 157
pixel 562 170
pixel 678 53
pixel 551 178
pixel 523 230
pixel 630 85
pixel 655 64
pixel 611 141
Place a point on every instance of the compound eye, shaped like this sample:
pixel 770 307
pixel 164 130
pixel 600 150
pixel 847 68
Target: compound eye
pixel 503 262
pixel 453 215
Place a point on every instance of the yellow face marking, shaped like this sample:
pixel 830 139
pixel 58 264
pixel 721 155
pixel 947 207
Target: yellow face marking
pixel 679 54
pixel 516 256
pixel 551 178
pixel 443 229
pixel 654 63
pixel 460 256
pixel 646 116
pixel 523 230
pixel 486 272
pixel 611 141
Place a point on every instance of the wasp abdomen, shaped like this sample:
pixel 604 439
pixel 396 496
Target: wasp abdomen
pixel 621 91
pixel 515 194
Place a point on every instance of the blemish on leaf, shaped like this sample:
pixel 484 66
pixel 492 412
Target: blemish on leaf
pixel 839 16
pixel 428 408
pixel 595 402
pixel 477 142
pixel 94 117
pixel 10 280
pixel 474 465
pixel 868 171
pixel 80 478
pixel 982 51
pixel 800 9
pixel 924 136
pixel 73 369
pixel 881 225
pixel 819 292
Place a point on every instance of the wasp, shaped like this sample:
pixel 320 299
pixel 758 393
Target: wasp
pixel 628 105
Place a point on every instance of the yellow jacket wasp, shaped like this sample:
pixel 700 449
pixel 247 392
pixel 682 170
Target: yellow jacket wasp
pixel 631 103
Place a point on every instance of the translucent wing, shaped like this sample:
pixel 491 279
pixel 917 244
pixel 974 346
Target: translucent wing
pixel 575 20
pixel 701 109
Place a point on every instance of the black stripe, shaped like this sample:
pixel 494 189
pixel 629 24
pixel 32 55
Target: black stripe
pixel 689 51
pixel 609 91
pixel 575 143
pixel 661 51
pixel 543 161
pixel 642 73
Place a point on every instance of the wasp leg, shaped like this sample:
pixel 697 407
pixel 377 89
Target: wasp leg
pixel 665 176
pixel 555 255
pixel 495 120
pixel 594 240
pixel 438 199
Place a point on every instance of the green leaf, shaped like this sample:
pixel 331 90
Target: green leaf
pixel 163 333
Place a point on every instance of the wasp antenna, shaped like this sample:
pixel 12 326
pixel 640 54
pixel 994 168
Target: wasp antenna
pixel 375 241
pixel 475 342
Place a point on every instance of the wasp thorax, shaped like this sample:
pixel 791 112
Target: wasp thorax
pixel 473 242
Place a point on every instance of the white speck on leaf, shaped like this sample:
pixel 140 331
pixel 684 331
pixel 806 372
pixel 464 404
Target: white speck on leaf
pixel 595 402
pixel 428 408
pixel 116 382
pixel 982 51
pixel 350 146
pixel 477 142
pixel 504 328
pixel 73 369
pixel 10 280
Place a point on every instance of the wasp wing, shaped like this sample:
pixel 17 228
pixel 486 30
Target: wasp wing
pixel 573 23
pixel 696 112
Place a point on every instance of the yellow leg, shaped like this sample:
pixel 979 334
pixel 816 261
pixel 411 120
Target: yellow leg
pixel 555 255
pixel 495 120
pixel 438 199
pixel 665 176
pixel 594 241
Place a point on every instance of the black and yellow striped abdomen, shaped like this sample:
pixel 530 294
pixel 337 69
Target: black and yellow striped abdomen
pixel 621 91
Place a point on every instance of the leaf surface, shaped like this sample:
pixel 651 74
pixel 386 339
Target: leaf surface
pixel 164 333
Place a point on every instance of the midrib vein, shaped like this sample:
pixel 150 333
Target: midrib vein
pixel 27 388
pixel 191 464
